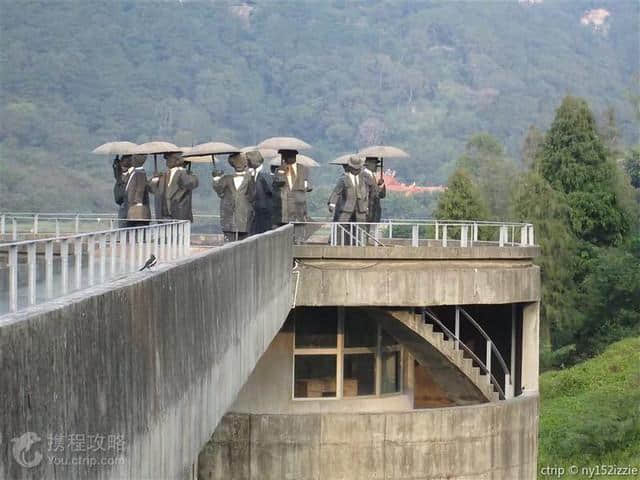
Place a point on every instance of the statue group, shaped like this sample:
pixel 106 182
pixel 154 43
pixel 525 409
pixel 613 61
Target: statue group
pixel 253 198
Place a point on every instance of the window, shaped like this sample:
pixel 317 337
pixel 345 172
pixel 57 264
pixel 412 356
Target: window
pixel 341 353
pixel 315 376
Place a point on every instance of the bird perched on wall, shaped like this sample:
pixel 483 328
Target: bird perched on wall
pixel 151 261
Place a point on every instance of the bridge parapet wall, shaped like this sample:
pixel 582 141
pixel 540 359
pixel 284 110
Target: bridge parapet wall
pixel 155 358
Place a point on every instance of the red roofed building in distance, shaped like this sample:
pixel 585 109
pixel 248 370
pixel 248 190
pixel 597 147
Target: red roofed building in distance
pixel 393 185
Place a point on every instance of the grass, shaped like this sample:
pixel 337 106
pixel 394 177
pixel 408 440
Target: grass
pixel 590 413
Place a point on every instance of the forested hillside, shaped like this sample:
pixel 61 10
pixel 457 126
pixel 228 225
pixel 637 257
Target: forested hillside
pixel 425 76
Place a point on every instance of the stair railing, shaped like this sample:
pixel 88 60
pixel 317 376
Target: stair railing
pixel 505 393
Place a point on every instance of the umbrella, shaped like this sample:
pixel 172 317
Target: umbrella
pixel 301 159
pixel 284 143
pixel 115 148
pixel 342 159
pixel 206 152
pixel 265 152
pixel 210 148
pixel 381 151
pixel 154 148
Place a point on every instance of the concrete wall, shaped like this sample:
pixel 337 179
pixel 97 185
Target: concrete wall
pixel 406 276
pixel 156 358
pixel 494 440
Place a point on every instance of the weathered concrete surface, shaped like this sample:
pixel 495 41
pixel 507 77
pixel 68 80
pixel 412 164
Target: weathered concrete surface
pixel 156 358
pixel 405 276
pixel 493 440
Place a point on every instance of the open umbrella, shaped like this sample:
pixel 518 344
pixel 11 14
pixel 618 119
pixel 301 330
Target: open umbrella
pixel 382 151
pixel 204 152
pixel 155 148
pixel 284 143
pixel 301 159
pixel 115 148
pixel 265 152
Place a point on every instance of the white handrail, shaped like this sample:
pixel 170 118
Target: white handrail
pixel 134 245
pixel 446 233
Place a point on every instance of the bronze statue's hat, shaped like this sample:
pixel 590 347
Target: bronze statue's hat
pixel 355 161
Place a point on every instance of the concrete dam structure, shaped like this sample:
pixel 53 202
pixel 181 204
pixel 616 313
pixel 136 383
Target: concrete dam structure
pixel 272 358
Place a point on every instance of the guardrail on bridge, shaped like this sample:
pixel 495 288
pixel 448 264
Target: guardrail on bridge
pixel 109 254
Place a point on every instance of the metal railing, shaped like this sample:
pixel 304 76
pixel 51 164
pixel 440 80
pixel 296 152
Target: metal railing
pixel 445 233
pixel 485 366
pixel 97 257
pixel 19 224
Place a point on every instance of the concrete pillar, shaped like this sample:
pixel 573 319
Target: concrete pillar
pixel 530 349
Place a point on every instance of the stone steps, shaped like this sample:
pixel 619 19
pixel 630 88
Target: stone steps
pixel 447 348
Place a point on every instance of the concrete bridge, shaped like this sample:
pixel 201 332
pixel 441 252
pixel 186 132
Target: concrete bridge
pixel 200 367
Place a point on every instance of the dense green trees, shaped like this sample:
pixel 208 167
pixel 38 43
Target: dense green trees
pixel 586 222
pixel 423 75
pixel 461 200
pixel 573 160
pixel 577 197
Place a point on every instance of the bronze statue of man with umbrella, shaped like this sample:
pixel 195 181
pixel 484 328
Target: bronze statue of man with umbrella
pixel 121 165
pixel 374 158
pixel 172 188
pixel 290 181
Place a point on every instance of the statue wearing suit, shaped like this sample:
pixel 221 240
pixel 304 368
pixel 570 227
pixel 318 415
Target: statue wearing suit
pixel 377 190
pixel 290 187
pixel 237 194
pixel 173 189
pixel 350 198
pixel 120 172
pixel 264 194
pixel 137 192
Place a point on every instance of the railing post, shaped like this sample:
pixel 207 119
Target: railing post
pixel 2 224
pixel 103 256
pixel 162 229
pixel 390 230
pixel 503 235
pixel 512 366
pixel 48 275
pixel 123 249
pixel 35 224
pixel 77 223
pixel 91 250
pixel 13 278
pixel 31 272
pixel 457 326
pixel 508 387
pixel 132 249
pixel 64 265
pixel 444 235
pixel 376 233
pixel 475 231
pixel 523 236
pixel 77 259
pixel 14 227
pixel 463 236
pixel 415 240
pixel 57 227
pixel 140 240
pixel 437 231
pixel 488 361
pixel 187 227
pixel 531 240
